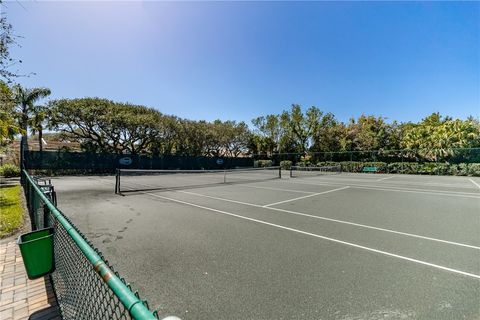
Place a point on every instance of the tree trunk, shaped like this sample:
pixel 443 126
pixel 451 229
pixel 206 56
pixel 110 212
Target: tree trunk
pixel 40 142
pixel 24 122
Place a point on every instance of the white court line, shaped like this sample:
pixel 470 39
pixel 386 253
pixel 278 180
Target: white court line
pixel 334 220
pixel 326 219
pixel 398 182
pixel 386 178
pixel 275 189
pixel 478 185
pixel 321 237
pixel 299 198
pixel 394 189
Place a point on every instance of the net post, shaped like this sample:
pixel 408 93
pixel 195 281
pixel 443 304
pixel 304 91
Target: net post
pixel 117 181
pixel 280 172
pixel 291 171
pixel 225 176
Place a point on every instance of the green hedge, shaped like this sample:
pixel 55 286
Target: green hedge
pixel 9 170
pixel 286 164
pixel 262 163
pixel 461 169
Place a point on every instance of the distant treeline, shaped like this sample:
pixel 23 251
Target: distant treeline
pixel 100 125
pixel 106 126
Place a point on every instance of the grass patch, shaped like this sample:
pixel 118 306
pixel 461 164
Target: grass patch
pixel 11 211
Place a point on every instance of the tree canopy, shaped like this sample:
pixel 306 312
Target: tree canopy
pixel 101 125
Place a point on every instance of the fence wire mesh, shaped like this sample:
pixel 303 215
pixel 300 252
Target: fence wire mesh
pixel 82 291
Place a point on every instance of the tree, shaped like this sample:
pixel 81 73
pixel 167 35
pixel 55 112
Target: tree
pixel 236 138
pixel 165 140
pixel 299 128
pixel 365 133
pixel 25 100
pixel 8 125
pixel 7 39
pixel 36 123
pixel 436 136
pixel 191 138
pixel 268 133
pixel 328 135
pixel 101 125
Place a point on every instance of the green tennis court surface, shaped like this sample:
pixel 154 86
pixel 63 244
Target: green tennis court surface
pixel 335 246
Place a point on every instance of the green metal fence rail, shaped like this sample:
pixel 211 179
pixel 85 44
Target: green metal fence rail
pixel 86 286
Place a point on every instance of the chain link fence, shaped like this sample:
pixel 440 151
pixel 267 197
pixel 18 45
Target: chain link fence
pixel 452 161
pixel 86 286
pixel 60 162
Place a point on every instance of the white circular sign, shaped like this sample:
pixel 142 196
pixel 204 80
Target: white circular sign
pixel 126 161
pixel 219 161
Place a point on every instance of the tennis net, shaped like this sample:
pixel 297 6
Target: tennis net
pixel 134 180
pixel 296 171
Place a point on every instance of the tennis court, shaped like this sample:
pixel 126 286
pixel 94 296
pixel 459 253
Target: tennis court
pixel 328 246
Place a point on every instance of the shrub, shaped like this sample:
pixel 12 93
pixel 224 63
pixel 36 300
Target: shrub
pixel 460 169
pixel 403 167
pixel 327 163
pixel 351 166
pixel 474 169
pixel 432 168
pixel 445 169
pixel 9 170
pixel 262 163
pixel 304 164
pixel 428 168
pixel 286 164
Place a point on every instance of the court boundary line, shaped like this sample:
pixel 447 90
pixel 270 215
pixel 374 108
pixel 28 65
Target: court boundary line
pixel 400 182
pixel 473 181
pixel 304 197
pixel 276 189
pixel 335 220
pixel 436 266
pixel 386 178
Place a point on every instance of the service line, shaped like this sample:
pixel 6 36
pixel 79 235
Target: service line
pixel 386 178
pixel 472 181
pixel 308 196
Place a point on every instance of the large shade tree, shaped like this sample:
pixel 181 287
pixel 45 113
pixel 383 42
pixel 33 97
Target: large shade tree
pixel 299 128
pixel 102 125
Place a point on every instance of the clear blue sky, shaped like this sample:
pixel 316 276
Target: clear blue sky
pixel 233 60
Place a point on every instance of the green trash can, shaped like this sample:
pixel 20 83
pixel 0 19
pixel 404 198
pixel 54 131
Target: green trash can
pixel 37 252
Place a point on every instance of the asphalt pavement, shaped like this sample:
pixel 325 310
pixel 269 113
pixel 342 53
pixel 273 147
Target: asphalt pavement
pixel 347 246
